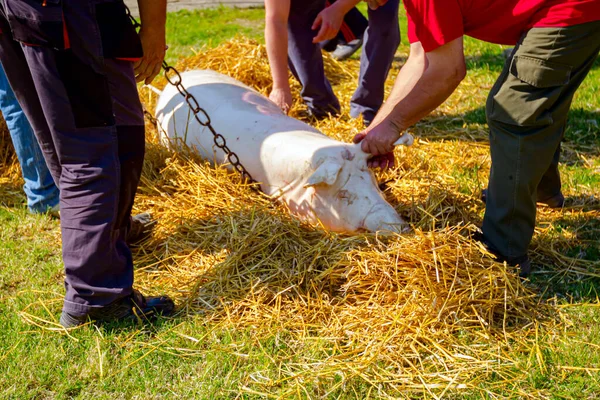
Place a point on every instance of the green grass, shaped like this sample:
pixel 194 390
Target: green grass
pixel 189 30
pixel 193 358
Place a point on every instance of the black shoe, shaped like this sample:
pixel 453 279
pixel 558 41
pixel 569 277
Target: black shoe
pixel 330 45
pixel 319 115
pixel 130 308
pixel 557 201
pixel 368 119
pixel 523 262
pixel 140 228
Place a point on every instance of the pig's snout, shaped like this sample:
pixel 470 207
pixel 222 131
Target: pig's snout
pixel 384 218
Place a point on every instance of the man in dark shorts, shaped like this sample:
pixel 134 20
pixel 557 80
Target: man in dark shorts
pixel 557 42
pixel 73 66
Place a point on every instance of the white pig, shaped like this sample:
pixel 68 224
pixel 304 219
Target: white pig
pixel 319 178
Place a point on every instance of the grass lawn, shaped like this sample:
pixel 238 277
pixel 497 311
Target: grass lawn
pixel 198 355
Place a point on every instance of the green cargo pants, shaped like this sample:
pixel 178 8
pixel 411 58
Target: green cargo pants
pixel 527 113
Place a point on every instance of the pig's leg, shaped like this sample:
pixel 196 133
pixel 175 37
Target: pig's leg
pixel 406 139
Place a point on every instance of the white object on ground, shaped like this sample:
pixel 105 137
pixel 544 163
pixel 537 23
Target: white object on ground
pixel 319 178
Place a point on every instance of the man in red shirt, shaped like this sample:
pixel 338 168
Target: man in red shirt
pixel 557 42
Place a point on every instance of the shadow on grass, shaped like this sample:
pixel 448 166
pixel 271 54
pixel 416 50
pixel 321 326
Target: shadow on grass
pixel 264 259
pixel 582 133
pixel 573 240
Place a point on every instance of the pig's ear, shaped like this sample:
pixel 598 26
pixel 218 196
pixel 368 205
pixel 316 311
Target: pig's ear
pixel 327 174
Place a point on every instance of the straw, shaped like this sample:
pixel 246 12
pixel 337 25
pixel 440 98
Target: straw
pixel 429 313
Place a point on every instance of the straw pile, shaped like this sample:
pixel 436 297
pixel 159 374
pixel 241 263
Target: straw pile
pixel 428 313
pixel 423 314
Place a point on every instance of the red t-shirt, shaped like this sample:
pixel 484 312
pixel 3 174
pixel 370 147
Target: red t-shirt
pixel 437 22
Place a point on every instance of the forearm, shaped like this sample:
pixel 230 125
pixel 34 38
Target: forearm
pixel 276 37
pixel 427 82
pixel 345 5
pixel 153 14
pixel 407 79
pixel 429 92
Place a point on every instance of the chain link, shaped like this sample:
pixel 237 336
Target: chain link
pixel 174 78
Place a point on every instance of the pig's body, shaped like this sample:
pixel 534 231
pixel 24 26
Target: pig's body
pixel 320 179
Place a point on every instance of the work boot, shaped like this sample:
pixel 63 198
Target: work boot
pixel 140 228
pixel 345 50
pixel 523 262
pixel 130 308
pixel 556 201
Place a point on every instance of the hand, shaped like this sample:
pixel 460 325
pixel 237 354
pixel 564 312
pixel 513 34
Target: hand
pixel 154 46
pixel 383 161
pixel 375 4
pixel 330 20
pixel 283 99
pixel 380 138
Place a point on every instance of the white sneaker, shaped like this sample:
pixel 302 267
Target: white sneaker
pixel 344 51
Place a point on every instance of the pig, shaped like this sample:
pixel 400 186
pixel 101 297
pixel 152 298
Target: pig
pixel 321 180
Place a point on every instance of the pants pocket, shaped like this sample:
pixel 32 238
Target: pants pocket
pixel 37 22
pixel 119 37
pixel 531 89
pixel 87 90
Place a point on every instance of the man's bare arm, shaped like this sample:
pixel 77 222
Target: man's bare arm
pixel 153 16
pixel 412 71
pixel 444 70
pixel 276 37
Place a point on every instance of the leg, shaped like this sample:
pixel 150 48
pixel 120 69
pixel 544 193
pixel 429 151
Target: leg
pixel 96 128
pixel 42 193
pixel 382 38
pixel 17 71
pixel 550 184
pixel 527 110
pixel 306 60
pixel 353 28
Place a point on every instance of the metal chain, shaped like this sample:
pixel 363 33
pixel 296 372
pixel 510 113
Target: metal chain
pixel 174 78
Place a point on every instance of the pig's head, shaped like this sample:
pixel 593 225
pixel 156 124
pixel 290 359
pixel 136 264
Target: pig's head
pixel 346 196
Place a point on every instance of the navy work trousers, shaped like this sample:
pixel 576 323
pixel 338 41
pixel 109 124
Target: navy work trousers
pixel 88 120
pixel 381 40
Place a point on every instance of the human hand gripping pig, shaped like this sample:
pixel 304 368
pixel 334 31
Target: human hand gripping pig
pixel 379 141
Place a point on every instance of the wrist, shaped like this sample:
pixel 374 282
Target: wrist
pixel 282 87
pixel 344 6
pixel 396 126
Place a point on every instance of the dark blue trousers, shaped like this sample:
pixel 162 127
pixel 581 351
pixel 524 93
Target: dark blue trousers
pixel 381 40
pixel 88 120
pixel 306 60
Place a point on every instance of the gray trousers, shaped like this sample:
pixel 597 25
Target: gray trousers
pixel 381 40
pixel 88 120
pixel 527 113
